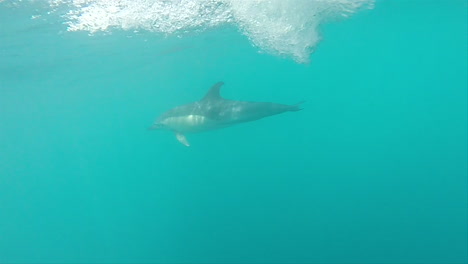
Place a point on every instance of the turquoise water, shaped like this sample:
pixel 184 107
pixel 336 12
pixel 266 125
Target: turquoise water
pixel 373 170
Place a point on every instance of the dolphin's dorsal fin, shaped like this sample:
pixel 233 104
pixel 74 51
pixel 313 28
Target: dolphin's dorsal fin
pixel 213 93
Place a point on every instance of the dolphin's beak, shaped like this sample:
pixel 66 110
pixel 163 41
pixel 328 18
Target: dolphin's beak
pixel 155 126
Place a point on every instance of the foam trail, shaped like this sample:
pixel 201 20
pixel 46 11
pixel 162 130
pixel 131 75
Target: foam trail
pixel 285 28
pixel 290 28
pixel 166 16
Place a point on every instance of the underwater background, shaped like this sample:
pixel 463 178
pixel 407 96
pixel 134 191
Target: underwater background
pixel 373 170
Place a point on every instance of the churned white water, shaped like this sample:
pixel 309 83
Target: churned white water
pixel 285 28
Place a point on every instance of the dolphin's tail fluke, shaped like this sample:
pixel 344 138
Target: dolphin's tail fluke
pixel 296 107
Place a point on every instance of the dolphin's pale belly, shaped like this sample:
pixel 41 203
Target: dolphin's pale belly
pixel 190 123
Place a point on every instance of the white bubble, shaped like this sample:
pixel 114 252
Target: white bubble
pixel 285 28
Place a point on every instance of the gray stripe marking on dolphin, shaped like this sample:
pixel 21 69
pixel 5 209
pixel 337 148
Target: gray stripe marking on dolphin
pixel 214 112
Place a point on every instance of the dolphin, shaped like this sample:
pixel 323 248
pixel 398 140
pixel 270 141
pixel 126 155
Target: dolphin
pixel 214 112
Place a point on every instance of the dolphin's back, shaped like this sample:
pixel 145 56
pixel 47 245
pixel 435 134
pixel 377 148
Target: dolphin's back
pixel 232 112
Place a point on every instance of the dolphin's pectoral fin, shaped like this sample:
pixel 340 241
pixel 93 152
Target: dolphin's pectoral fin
pixel 182 139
